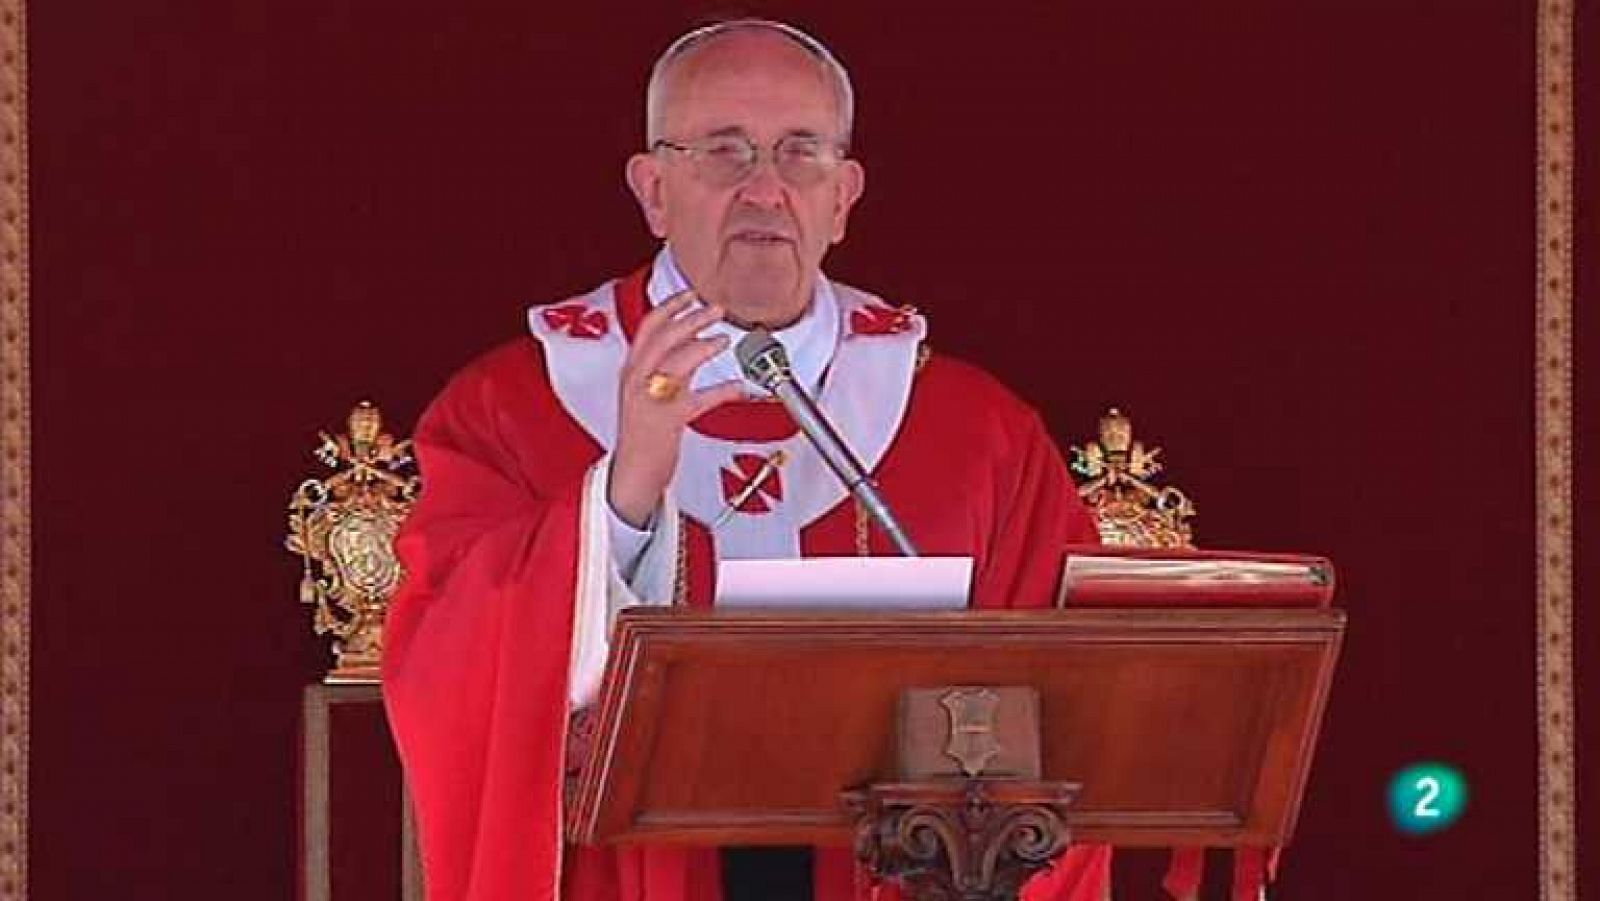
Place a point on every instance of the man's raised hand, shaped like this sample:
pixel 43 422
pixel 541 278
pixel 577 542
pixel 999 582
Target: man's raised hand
pixel 654 404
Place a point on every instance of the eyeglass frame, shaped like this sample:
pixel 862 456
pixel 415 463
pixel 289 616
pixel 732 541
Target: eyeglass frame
pixel 838 151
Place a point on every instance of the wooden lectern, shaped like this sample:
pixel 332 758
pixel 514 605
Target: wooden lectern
pixel 1156 727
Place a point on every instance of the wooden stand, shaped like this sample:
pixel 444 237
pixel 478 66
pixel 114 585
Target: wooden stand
pixel 318 775
pixel 1156 728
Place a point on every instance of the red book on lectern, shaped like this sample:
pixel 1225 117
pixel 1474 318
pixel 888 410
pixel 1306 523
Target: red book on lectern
pixel 1100 576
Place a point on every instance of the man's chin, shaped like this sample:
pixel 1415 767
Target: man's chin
pixel 763 289
pixel 771 304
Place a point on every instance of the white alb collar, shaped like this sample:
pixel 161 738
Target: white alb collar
pixel 811 341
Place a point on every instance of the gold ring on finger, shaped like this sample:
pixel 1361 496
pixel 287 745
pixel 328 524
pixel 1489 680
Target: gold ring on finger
pixel 663 387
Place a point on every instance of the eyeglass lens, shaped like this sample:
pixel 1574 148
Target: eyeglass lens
pixel 800 159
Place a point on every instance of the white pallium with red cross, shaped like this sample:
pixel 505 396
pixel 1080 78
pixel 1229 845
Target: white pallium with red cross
pixel 865 393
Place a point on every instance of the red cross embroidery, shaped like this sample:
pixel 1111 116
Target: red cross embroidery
pixel 876 319
pixel 736 480
pixel 577 320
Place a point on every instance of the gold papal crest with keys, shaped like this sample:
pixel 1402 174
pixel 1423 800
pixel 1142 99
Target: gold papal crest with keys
pixel 343 526
pixel 1116 479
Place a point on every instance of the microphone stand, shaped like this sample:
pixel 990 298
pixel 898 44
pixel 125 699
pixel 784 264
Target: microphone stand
pixel 766 363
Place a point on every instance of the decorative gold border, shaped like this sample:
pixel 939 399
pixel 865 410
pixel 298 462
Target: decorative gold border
pixel 15 479
pixel 1553 453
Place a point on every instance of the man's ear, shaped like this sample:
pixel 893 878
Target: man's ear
pixel 852 181
pixel 644 179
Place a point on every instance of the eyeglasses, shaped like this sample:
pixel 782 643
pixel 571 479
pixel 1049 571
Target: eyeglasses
pixel 726 160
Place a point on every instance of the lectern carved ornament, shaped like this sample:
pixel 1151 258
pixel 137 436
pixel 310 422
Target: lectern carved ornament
pixel 973 840
pixel 972 822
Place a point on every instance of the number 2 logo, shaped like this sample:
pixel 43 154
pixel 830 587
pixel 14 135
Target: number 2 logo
pixel 1429 787
pixel 1427 797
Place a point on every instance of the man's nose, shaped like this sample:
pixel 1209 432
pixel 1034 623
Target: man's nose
pixel 763 186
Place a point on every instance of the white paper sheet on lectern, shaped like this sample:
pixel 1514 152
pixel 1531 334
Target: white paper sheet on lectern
pixel 846 583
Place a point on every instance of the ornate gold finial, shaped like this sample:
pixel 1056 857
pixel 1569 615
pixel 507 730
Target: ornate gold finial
pixel 343 527
pixel 1129 510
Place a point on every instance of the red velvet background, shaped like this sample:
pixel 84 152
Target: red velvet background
pixel 1294 241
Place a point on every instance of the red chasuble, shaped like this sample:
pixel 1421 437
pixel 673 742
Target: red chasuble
pixel 479 641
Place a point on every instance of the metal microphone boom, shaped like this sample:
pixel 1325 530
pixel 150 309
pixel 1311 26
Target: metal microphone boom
pixel 767 364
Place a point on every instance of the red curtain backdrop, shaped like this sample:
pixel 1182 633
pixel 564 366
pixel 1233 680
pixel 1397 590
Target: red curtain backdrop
pixel 1294 241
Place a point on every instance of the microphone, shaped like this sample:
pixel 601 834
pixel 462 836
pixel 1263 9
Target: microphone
pixel 766 363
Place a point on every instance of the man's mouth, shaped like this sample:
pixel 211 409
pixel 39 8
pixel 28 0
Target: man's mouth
pixel 760 236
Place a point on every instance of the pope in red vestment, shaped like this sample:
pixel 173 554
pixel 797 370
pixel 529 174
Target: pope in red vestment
pixel 479 642
pixel 614 456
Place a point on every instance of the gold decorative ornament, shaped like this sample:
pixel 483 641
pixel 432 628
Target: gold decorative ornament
pixel 662 387
pixel 1130 510
pixel 16 454
pixel 1554 468
pixel 343 527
